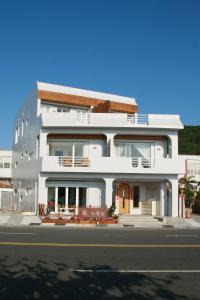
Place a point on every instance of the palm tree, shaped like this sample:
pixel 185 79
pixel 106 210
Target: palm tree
pixel 186 183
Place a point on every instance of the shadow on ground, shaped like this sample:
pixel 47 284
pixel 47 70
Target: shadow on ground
pixel 25 280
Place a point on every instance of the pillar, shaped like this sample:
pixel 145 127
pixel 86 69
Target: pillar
pixel 162 199
pixel 42 190
pixel 174 197
pixel 66 197
pixel 56 199
pixel 77 200
pixel 108 191
pixel 110 143
pixel 43 148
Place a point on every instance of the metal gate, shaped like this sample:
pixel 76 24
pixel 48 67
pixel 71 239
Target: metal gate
pixel 6 200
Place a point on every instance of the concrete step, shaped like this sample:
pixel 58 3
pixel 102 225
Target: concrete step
pixel 139 221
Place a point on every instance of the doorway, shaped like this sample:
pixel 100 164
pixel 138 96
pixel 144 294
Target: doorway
pixel 124 198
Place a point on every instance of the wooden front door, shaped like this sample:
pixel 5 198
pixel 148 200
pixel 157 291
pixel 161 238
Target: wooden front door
pixel 124 198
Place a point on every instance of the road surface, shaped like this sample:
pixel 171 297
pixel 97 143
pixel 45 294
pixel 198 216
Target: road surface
pixel 61 263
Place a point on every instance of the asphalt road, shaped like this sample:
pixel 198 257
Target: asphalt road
pixel 61 263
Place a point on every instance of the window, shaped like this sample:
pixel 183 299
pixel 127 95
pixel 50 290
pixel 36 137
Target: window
pixel 37 146
pixel 136 196
pixel 69 149
pixel 142 150
pixel 16 164
pixel 30 155
pixel 26 122
pixel 82 197
pixel 17 132
pixel 22 155
pixel 22 127
pixel 78 150
pixel 28 191
pixel 51 198
pixel 61 197
pixel 15 192
pixel 54 108
pixel 6 165
pixel 71 196
pixel 58 153
pixel 62 109
pixel 5 162
pixel 193 168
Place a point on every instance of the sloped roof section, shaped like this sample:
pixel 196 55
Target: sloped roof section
pixel 101 102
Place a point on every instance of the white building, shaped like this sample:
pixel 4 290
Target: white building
pixel 191 164
pixel 74 147
pixel 5 179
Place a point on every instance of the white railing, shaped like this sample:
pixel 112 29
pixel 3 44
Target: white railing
pixel 82 117
pixel 137 119
pixel 141 162
pixel 73 161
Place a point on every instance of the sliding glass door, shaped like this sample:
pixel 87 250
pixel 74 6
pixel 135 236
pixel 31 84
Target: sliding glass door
pixel 70 149
pixel 141 150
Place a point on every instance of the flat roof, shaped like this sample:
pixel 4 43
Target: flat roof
pixel 84 93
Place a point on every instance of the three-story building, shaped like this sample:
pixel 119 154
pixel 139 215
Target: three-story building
pixel 79 148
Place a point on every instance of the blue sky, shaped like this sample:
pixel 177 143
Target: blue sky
pixel 147 49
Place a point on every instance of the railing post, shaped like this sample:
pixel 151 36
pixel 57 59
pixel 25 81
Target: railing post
pixel 77 200
pixel 139 162
pixel 136 118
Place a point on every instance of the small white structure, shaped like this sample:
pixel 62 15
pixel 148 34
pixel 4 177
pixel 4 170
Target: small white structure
pixel 79 148
pixel 5 179
pixel 191 164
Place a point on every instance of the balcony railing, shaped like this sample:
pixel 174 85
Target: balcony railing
pixel 69 161
pixel 137 119
pixel 143 162
pixel 76 161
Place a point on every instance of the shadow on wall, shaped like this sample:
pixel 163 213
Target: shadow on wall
pixel 26 279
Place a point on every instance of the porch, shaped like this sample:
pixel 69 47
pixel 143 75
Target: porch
pixel 127 197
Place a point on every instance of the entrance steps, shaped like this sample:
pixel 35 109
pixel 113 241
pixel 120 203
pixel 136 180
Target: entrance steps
pixel 140 221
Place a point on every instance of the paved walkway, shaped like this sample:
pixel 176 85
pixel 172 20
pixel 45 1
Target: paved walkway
pixel 18 219
pixel 196 218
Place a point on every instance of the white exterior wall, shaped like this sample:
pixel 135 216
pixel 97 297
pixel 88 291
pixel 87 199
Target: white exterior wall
pixel 46 168
pixel 186 161
pixel 5 157
pixel 26 172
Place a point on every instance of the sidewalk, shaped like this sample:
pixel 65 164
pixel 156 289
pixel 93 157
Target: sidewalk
pixel 18 219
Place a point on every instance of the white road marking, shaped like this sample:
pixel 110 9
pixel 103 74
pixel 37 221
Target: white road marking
pixel 5 233
pixel 182 235
pixel 132 271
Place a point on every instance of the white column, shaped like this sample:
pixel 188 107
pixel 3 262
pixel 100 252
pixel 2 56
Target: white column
pixel 174 145
pixel 108 191
pixel 117 200
pixel 77 198
pixel 43 148
pixel 131 199
pixel 162 199
pixel 66 197
pixel 56 199
pixel 110 142
pixel 136 118
pixel 42 190
pixel 174 197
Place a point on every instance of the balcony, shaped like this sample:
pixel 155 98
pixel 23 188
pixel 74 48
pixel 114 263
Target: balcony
pixel 69 161
pixel 116 165
pixel 112 120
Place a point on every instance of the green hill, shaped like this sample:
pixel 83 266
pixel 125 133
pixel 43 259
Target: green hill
pixel 189 140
